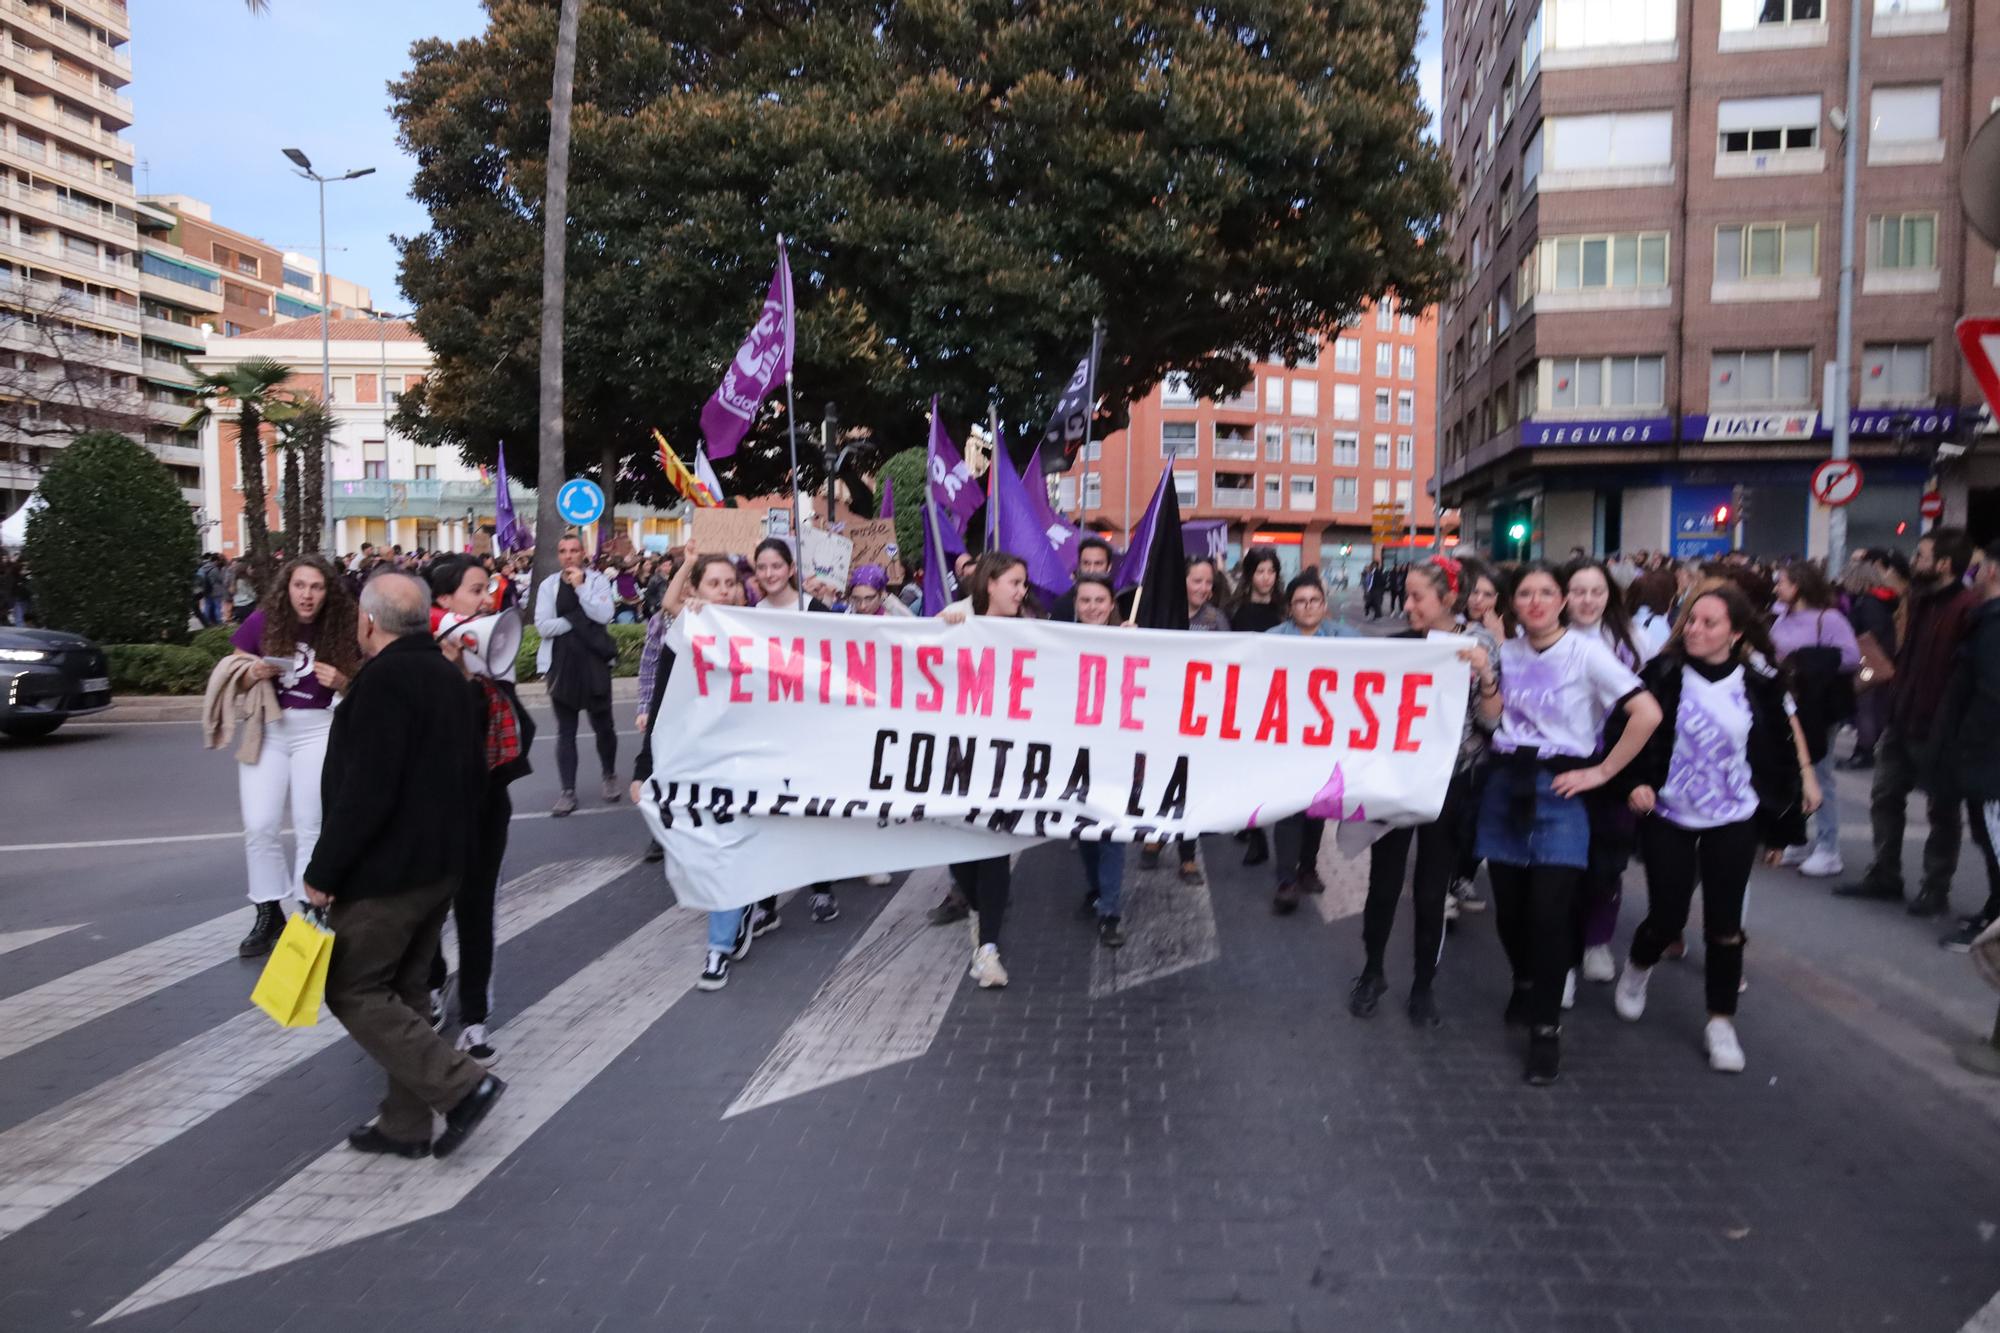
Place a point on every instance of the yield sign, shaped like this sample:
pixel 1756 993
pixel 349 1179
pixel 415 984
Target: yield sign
pixel 1836 482
pixel 1979 340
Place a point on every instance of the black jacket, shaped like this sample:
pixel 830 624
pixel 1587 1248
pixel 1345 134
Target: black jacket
pixel 1774 756
pixel 405 770
pixel 1973 709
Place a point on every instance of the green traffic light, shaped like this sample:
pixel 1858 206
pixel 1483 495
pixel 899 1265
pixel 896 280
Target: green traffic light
pixel 1518 531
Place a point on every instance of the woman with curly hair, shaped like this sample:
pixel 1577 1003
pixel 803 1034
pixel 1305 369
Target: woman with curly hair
pixel 302 640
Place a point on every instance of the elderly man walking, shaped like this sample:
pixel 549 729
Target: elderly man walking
pixel 405 766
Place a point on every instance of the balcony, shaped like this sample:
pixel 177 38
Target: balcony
pixel 1235 497
pixel 173 291
pixel 69 127
pixel 45 68
pixel 400 499
pixel 166 371
pixel 167 331
pixel 176 455
pixel 170 414
pixel 69 39
pixel 60 162
pixel 50 296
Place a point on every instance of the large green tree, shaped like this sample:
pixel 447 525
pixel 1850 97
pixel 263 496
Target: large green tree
pixel 963 184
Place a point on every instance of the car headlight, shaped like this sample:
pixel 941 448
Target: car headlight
pixel 23 655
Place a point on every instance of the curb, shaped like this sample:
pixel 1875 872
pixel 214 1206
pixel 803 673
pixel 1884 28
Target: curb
pixel 187 707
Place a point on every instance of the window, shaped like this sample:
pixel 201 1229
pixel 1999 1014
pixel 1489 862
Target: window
pixel 1889 8
pixel 1527 394
pixel 1305 398
pixel 1379 492
pixel 1382 451
pixel 1526 281
pixel 1346 493
pixel 1406 407
pixel 293 308
pixel 374 469
pixel 1274 393
pixel 1346 449
pixel 1347 402
pixel 1609 142
pixel 1895 373
pixel 247 266
pixel 1403 495
pixel 1741 14
pixel 1903 115
pixel 1406 363
pixel 1610 381
pixel 1385 315
pixel 1174 390
pixel 1761 251
pixel 1531 48
pixel 1178 439
pixel 1187 487
pixel 1507 99
pixel 425 471
pixel 1902 240
pixel 1750 126
pixel 1274 444
pixel 1381 404
pixel 1347 355
pixel 1305 493
pixel 294 278
pixel 1234 443
pixel 1274 492
pixel 1406 452
pixel 1777 378
pixel 1093 492
pixel 1504 304
pixel 1623 259
pixel 1305 446
pixel 1406 323
pixel 1574 24
pixel 343 388
pixel 1384 351
pixel 173 270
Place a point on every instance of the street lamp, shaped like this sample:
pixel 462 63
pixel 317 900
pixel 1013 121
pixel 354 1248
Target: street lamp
pixel 305 169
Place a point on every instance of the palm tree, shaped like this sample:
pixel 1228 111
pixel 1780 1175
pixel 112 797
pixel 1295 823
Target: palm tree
pixel 254 386
pixel 305 429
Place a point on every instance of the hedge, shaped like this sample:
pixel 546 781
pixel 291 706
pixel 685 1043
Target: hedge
pixel 158 668
pixel 214 641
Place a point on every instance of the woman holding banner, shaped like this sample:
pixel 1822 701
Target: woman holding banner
pixel 1431 602
pixel 1297 837
pixel 1481 618
pixel 1096 603
pixel 1555 691
pixel 999 586
pixel 1259 605
pixel 777 590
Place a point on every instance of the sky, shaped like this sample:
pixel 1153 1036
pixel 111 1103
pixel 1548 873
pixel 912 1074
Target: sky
pixel 218 94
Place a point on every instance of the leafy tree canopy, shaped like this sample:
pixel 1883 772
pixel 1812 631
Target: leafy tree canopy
pixel 113 554
pixel 963 185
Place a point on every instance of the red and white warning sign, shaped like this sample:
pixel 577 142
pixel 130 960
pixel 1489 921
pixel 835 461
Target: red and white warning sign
pixel 1931 505
pixel 1836 482
pixel 1979 340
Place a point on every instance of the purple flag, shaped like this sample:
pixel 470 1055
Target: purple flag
pixel 1138 544
pixel 887 509
pixel 1206 537
pixel 1020 530
pixel 509 534
pixel 761 363
pixel 938 583
pixel 953 491
pixel 1052 522
pixel 1156 563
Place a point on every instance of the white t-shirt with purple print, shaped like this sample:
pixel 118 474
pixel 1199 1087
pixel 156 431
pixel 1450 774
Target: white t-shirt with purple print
pixel 1708 778
pixel 1555 701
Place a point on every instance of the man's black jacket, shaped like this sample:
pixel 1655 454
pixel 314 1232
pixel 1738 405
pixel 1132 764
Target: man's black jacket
pixel 405 768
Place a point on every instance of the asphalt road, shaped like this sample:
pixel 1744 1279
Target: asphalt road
pixel 1192 1134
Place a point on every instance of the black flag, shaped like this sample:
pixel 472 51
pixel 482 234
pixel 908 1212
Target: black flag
pixel 1156 562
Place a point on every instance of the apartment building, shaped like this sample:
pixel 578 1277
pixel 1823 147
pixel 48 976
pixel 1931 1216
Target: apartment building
pixel 69 292
pixel 1649 223
pixel 1298 461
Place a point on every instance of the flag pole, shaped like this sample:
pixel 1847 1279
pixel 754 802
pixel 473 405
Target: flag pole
pixel 1089 412
pixel 1146 552
pixel 932 531
pixel 992 461
pixel 792 436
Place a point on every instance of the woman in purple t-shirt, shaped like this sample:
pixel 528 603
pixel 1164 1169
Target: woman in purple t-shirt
pixel 302 640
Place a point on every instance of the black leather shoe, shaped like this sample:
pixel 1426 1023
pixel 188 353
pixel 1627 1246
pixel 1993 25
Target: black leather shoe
pixel 654 852
pixel 1259 849
pixel 1423 1009
pixel 1544 1057
pixel 264 931
pixel 1931 902
pixel 462 1119
pixel 370 1139
pixel 1863 888
pixel 1366 994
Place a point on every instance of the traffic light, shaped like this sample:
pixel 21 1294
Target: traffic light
pixel 1519 532
pixel 1346 549
pixel 1723 514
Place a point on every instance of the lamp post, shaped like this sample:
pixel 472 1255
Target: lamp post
pixel 305 169
pixel 382 319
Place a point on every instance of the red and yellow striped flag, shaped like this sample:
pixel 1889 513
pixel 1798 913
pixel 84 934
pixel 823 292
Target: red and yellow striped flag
pixel 681 479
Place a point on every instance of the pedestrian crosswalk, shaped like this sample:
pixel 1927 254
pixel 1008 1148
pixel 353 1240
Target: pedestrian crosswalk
pixel 21 939
pixel 882 1003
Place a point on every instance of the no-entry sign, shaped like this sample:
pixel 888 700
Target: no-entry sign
pixel 1836 482
pixel 1932 505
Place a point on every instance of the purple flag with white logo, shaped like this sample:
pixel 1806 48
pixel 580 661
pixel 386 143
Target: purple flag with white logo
pixel 760 364
pixel 1052 522
pixel 1206 538
pixel 887 509
pixel 1021 531
pixel 953 491
pixel 509 533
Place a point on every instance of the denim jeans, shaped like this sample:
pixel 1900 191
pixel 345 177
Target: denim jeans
pixel 1104 867
pixel 1826 820
pixel 722 929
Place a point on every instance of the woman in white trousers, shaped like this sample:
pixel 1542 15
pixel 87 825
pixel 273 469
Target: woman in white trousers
pixel 302 640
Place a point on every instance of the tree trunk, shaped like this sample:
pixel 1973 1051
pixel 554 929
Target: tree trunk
pixel 250 463
pixel 607 473
pixel 312 496
pixel 555 233
pixel 296 540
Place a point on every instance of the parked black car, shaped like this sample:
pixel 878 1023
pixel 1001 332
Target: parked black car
pixel 48 677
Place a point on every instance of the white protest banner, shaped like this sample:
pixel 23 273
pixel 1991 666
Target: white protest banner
pixel 797 748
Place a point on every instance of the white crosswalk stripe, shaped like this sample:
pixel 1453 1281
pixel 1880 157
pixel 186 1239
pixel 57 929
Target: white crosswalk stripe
pixel 49 1160
pixel 883 1003
pixel 1169 927
pixel 21 939
pixel 554 1049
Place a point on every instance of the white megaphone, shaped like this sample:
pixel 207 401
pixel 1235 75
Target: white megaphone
pixel 490 642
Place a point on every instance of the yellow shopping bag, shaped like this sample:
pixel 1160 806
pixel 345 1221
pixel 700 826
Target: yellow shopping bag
pixel 294 981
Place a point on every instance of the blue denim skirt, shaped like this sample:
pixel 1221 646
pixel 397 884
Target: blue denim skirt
pixel 1555 831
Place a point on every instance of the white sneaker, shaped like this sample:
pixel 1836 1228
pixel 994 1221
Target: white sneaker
pixel 1569 990
pixel 1598 964
pixel 474 1042
pixel 1450 908
pixel 1725 1053
pixel 1795 857
pixel 1629 996
pixel 986 969
pixel 878 881
pixel 1822 864
pixel 714 972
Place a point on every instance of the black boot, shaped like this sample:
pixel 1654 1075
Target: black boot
pixel 1544 1056
pixel 264 931
pixel 1258 850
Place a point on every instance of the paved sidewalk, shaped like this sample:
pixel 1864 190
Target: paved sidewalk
pixel 187 707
